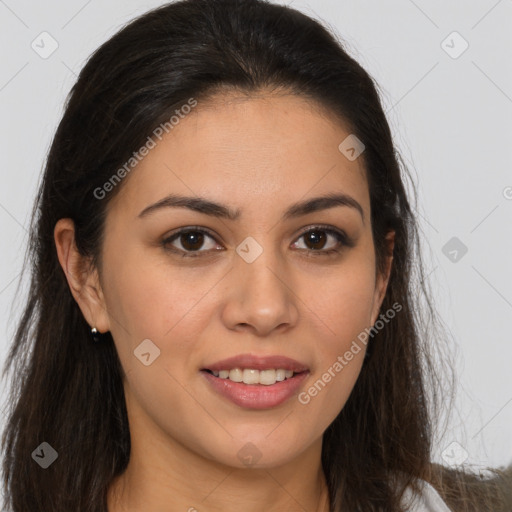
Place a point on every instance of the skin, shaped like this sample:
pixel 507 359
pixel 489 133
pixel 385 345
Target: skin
pixel 258 154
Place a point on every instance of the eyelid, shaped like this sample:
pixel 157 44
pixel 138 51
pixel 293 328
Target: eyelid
pixel 324 227
pixel 186 229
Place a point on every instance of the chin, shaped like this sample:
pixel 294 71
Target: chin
pixel 256 452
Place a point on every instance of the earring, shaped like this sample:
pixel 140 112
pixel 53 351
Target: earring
pixel 95 334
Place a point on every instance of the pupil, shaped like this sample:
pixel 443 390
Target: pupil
pixel 316 238
pixel 192 241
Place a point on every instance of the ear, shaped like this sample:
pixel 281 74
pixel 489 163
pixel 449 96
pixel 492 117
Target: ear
pixel 382 279
pixel 82 277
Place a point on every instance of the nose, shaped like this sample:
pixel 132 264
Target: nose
pixel 260 295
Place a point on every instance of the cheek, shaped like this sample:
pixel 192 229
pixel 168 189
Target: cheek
pixel 344 301
pixel 155 298
pixel 343 307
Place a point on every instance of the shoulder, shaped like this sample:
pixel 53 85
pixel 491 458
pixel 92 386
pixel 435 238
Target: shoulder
pixel 427 499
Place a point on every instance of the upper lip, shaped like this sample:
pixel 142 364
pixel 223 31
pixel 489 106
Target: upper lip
pixel 251 361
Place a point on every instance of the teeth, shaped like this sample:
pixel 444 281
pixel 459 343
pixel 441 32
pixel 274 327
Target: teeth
pixel 250 376
pixel 236 375
pixel 268 377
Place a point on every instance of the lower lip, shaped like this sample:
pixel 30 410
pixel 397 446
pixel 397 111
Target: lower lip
pixel 256 396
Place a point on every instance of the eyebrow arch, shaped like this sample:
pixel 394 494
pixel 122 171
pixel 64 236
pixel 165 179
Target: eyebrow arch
pixel 213 209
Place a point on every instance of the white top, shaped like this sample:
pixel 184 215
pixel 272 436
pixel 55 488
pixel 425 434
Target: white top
pixel 428 501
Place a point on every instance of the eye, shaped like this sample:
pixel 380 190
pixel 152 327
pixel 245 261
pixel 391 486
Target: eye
pixel 317 239
pixel 191 240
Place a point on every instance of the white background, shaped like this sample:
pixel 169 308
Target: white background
pixel 451 119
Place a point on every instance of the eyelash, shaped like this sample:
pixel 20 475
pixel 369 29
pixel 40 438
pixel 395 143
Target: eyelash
pixel 340 236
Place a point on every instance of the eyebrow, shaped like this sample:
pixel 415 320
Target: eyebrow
pixel 207 207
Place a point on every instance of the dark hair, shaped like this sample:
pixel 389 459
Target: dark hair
pixel 69 393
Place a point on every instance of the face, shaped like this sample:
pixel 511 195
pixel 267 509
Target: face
pixel 259 280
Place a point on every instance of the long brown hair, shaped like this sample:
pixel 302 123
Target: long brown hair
pixel 68 392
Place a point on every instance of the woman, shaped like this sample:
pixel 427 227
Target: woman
pixel 222 314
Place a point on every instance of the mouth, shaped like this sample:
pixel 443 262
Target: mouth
pixel 253 377
pixel 254 382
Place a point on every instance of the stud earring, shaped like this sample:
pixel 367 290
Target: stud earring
pixel 95 334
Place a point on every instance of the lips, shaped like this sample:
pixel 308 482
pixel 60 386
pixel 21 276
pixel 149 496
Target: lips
pixel 256 396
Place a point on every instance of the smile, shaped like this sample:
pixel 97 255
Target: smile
pixel 253 376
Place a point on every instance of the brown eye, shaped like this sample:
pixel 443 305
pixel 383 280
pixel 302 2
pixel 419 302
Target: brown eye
pixel 192 240
pixel 321 240
pixel 315 239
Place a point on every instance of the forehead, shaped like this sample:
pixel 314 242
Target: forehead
pixel 242 149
